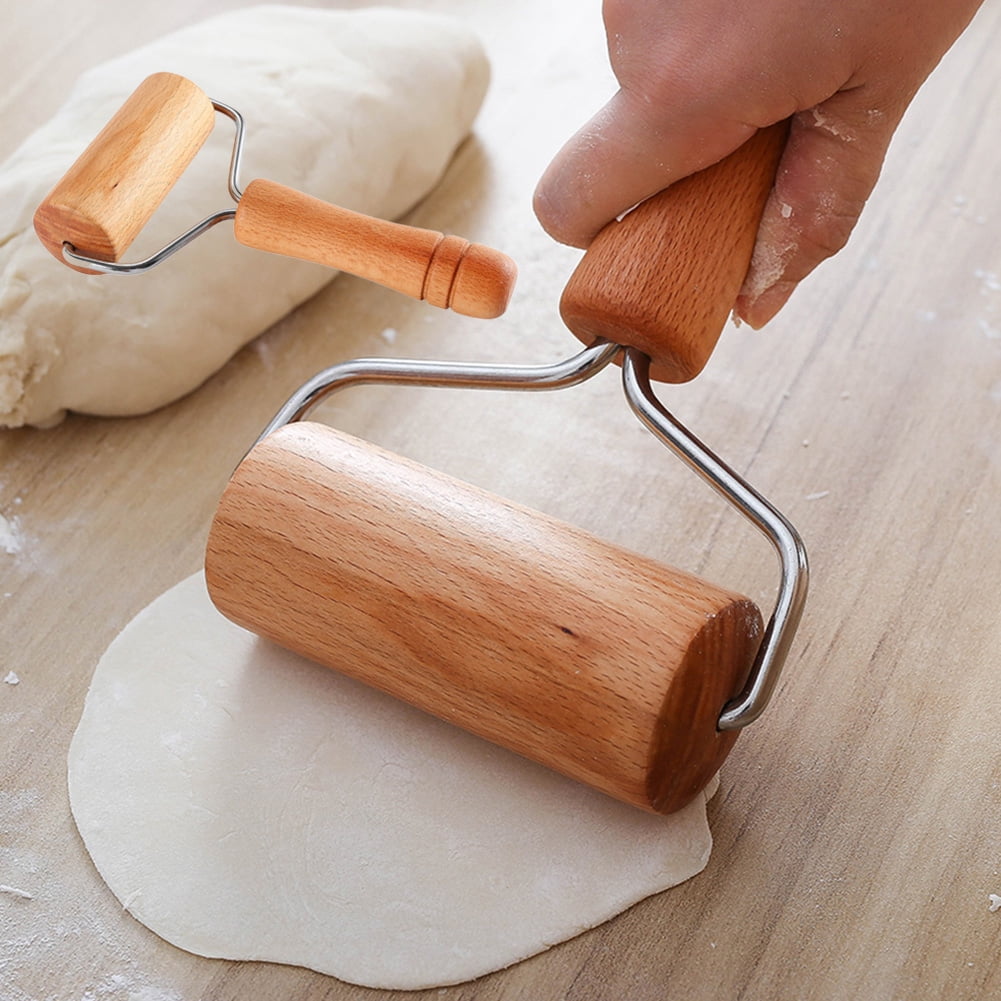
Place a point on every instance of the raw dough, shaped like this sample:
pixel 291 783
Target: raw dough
pixel 242 802
pixel 361 108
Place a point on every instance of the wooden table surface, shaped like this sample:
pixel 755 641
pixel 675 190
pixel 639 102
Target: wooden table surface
pixel 858 826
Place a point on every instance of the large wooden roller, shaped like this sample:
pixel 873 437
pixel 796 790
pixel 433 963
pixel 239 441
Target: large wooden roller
pixel 595 661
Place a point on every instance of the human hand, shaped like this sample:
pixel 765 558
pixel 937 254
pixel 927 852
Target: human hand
pixel 698 77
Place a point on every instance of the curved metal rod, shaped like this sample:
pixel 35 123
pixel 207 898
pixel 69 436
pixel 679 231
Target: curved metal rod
pixel 235 159
pixel 116 268
pixel 457 375
pixel 777 638
pixel 137 268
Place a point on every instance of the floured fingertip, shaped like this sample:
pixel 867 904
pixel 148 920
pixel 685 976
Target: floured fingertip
pixel 757 310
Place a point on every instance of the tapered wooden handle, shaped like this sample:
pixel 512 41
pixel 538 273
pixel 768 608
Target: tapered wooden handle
pixel 446 271
pixel 592 660
pixel 118 182
pixel 664 278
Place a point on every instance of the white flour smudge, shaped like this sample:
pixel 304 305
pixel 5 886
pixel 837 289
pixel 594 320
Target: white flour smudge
pixel 45 917
pixel 989 322
pixel 10 536
pixel 989 281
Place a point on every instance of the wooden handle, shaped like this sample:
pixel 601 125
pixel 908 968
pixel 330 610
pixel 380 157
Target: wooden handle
pixel 592 660
pixel 446 271
pixel 664 279
pixel 120 179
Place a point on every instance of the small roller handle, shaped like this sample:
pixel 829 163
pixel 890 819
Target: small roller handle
pixel 664 278
pixel 445 271
pixel 597 662
pixel 118 182
pixel 114 187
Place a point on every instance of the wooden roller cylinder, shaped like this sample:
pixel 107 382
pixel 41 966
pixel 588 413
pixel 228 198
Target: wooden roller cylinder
pixel 118 182
pixel 602 664
pixel 664 279
pixel 446 271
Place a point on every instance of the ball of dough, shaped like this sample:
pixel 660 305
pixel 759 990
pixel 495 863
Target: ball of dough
pixel 361 108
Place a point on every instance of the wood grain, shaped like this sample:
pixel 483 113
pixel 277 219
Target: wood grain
pixel 121 178
pixel 594 661
pixel 665 277
pixel 856 829
pixel 446 271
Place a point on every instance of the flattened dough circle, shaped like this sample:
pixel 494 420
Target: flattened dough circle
pixel 244 803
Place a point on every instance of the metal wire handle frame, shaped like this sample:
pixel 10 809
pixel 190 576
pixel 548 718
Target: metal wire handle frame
pixel 773 651
pixel 139 267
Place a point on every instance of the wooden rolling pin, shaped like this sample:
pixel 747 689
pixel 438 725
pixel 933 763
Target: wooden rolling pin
pixel 602 664
pixel 106 197
pixel 592 660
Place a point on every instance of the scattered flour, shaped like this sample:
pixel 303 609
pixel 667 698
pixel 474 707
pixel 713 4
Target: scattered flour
pixel 768 265
pixel 989 281
pixel 10 536
pixel 120 986
pixel 990 330
pixel 824 122
pixel 962 208
pixel 46 916
pixel 989 322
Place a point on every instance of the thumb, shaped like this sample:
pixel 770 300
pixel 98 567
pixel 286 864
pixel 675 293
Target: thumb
pixel 830 165
pixel 631 149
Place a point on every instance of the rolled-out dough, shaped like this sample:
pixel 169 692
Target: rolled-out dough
pixel 361 108
pixel 244 803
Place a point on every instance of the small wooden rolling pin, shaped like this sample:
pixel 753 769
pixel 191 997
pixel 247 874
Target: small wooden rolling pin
pixel 597 662
pixel 103 201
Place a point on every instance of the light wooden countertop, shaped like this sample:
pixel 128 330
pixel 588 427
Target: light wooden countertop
pixel 858 826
